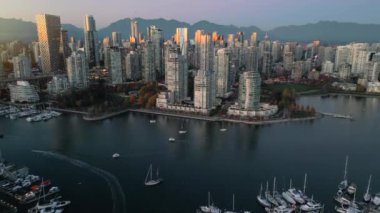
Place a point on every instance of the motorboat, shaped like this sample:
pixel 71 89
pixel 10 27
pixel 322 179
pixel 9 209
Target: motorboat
pixel 152 121
pixel 182 130
pixel 296 195
pixel 149 181
pixel 223 129
pixel 116 155
pixel 376 199
pixel 171 139
pixel 261 199
pixel 311 205
pixel 287 196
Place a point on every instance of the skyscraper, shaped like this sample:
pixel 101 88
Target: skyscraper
pixel 148 68
pixel 91 41
pixel 176 74
pixel 22 66
pixel 182 40
pixel 77 70
pixel 342 56
pixel 116 67
pixel 253 39
pixel 132 68
pixel 116 39
pixel 249 90
pixel 49 35
pixel 156 36
pixel 134 31
pixel 206 53
pixel 222 71
pixel 203 90
pixel 64 50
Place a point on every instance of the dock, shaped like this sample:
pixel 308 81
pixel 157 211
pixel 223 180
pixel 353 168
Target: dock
pixel 335 115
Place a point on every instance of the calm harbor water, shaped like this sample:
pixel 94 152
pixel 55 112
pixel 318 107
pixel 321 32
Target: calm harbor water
pixel 204 159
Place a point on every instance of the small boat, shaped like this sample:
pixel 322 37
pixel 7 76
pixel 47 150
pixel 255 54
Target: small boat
pixel 116 155
pixel 223 129
pixel 296 195
pixel 210 208
pixel 280 209
pixel 261 199
pixel 351 189
pixel 1 135
pixel 367 195
pixel 151 181
pixel 152 121
pixel 171 139
pixel 325 96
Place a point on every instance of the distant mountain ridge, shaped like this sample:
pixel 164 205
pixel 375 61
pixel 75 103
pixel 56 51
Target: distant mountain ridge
pixel 326 31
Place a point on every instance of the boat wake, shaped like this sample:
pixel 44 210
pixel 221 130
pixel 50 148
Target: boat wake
pixel 118 196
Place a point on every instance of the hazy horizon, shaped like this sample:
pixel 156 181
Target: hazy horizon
pixel 266 15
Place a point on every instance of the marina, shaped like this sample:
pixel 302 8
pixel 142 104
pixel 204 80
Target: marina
pixel 28 112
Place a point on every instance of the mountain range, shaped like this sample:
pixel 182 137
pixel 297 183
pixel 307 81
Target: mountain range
pixel 326 31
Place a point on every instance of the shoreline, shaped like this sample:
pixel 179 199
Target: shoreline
pixel 86 117
pixel 220 119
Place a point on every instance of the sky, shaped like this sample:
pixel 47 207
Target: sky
pixel 266 14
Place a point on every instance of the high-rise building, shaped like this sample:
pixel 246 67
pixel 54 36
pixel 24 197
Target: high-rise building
pixel 276 51
pixel 49 35
pixel 253 39
pixel 64 50
pixel 36 52
pixel 267 64
pixel 148 62
pixel 21 66
pixel 22 91
pixel 344 71
pixel 206 53
pixel 77 70
pixel 222 71
pixel 251 59
pixel 156 36
pixel 116 39
pixel 204 88
pixel 288 61
pixel 134 32
pixel 299 52
pixel 182 40
pixel 2 73
pixel 132 68
pixel 249 90
pixel 106 49
pixel 91 41
pixel 58 84
pixel 342 56
pixel 116 65
pixel 356 56
pixel 176 74
pixel 327 67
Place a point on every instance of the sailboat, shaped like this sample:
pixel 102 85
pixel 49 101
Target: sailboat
pixel 277 196
pixel 270 198
pixel 210 208
pixel 182 130
pixel 344 183
pixel 233 205
pixel 151 181
pixel 367 195
pixel 261 199
pixel 287 196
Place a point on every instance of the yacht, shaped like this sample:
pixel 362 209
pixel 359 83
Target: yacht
pixel 116 155
pixel 376 199
pixel 280 209
pixel 287 196
pixel 151 181
pixel 210 208
pixel 311 205
pixel 296 195
pixel 261 199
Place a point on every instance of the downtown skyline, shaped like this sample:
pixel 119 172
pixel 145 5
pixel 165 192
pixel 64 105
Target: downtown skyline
pixel 264 14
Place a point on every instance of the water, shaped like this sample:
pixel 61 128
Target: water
pixel 204 159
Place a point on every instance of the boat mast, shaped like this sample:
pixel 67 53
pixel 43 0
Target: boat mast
pixel 345 169
pixel 290 184
pixel 157 173
pixel 304 184
pixel 208 197
pixel 233 202
pixel 267 189
pixel 369 184
pixel 274 185
pixel 147 175
pixel 261 189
